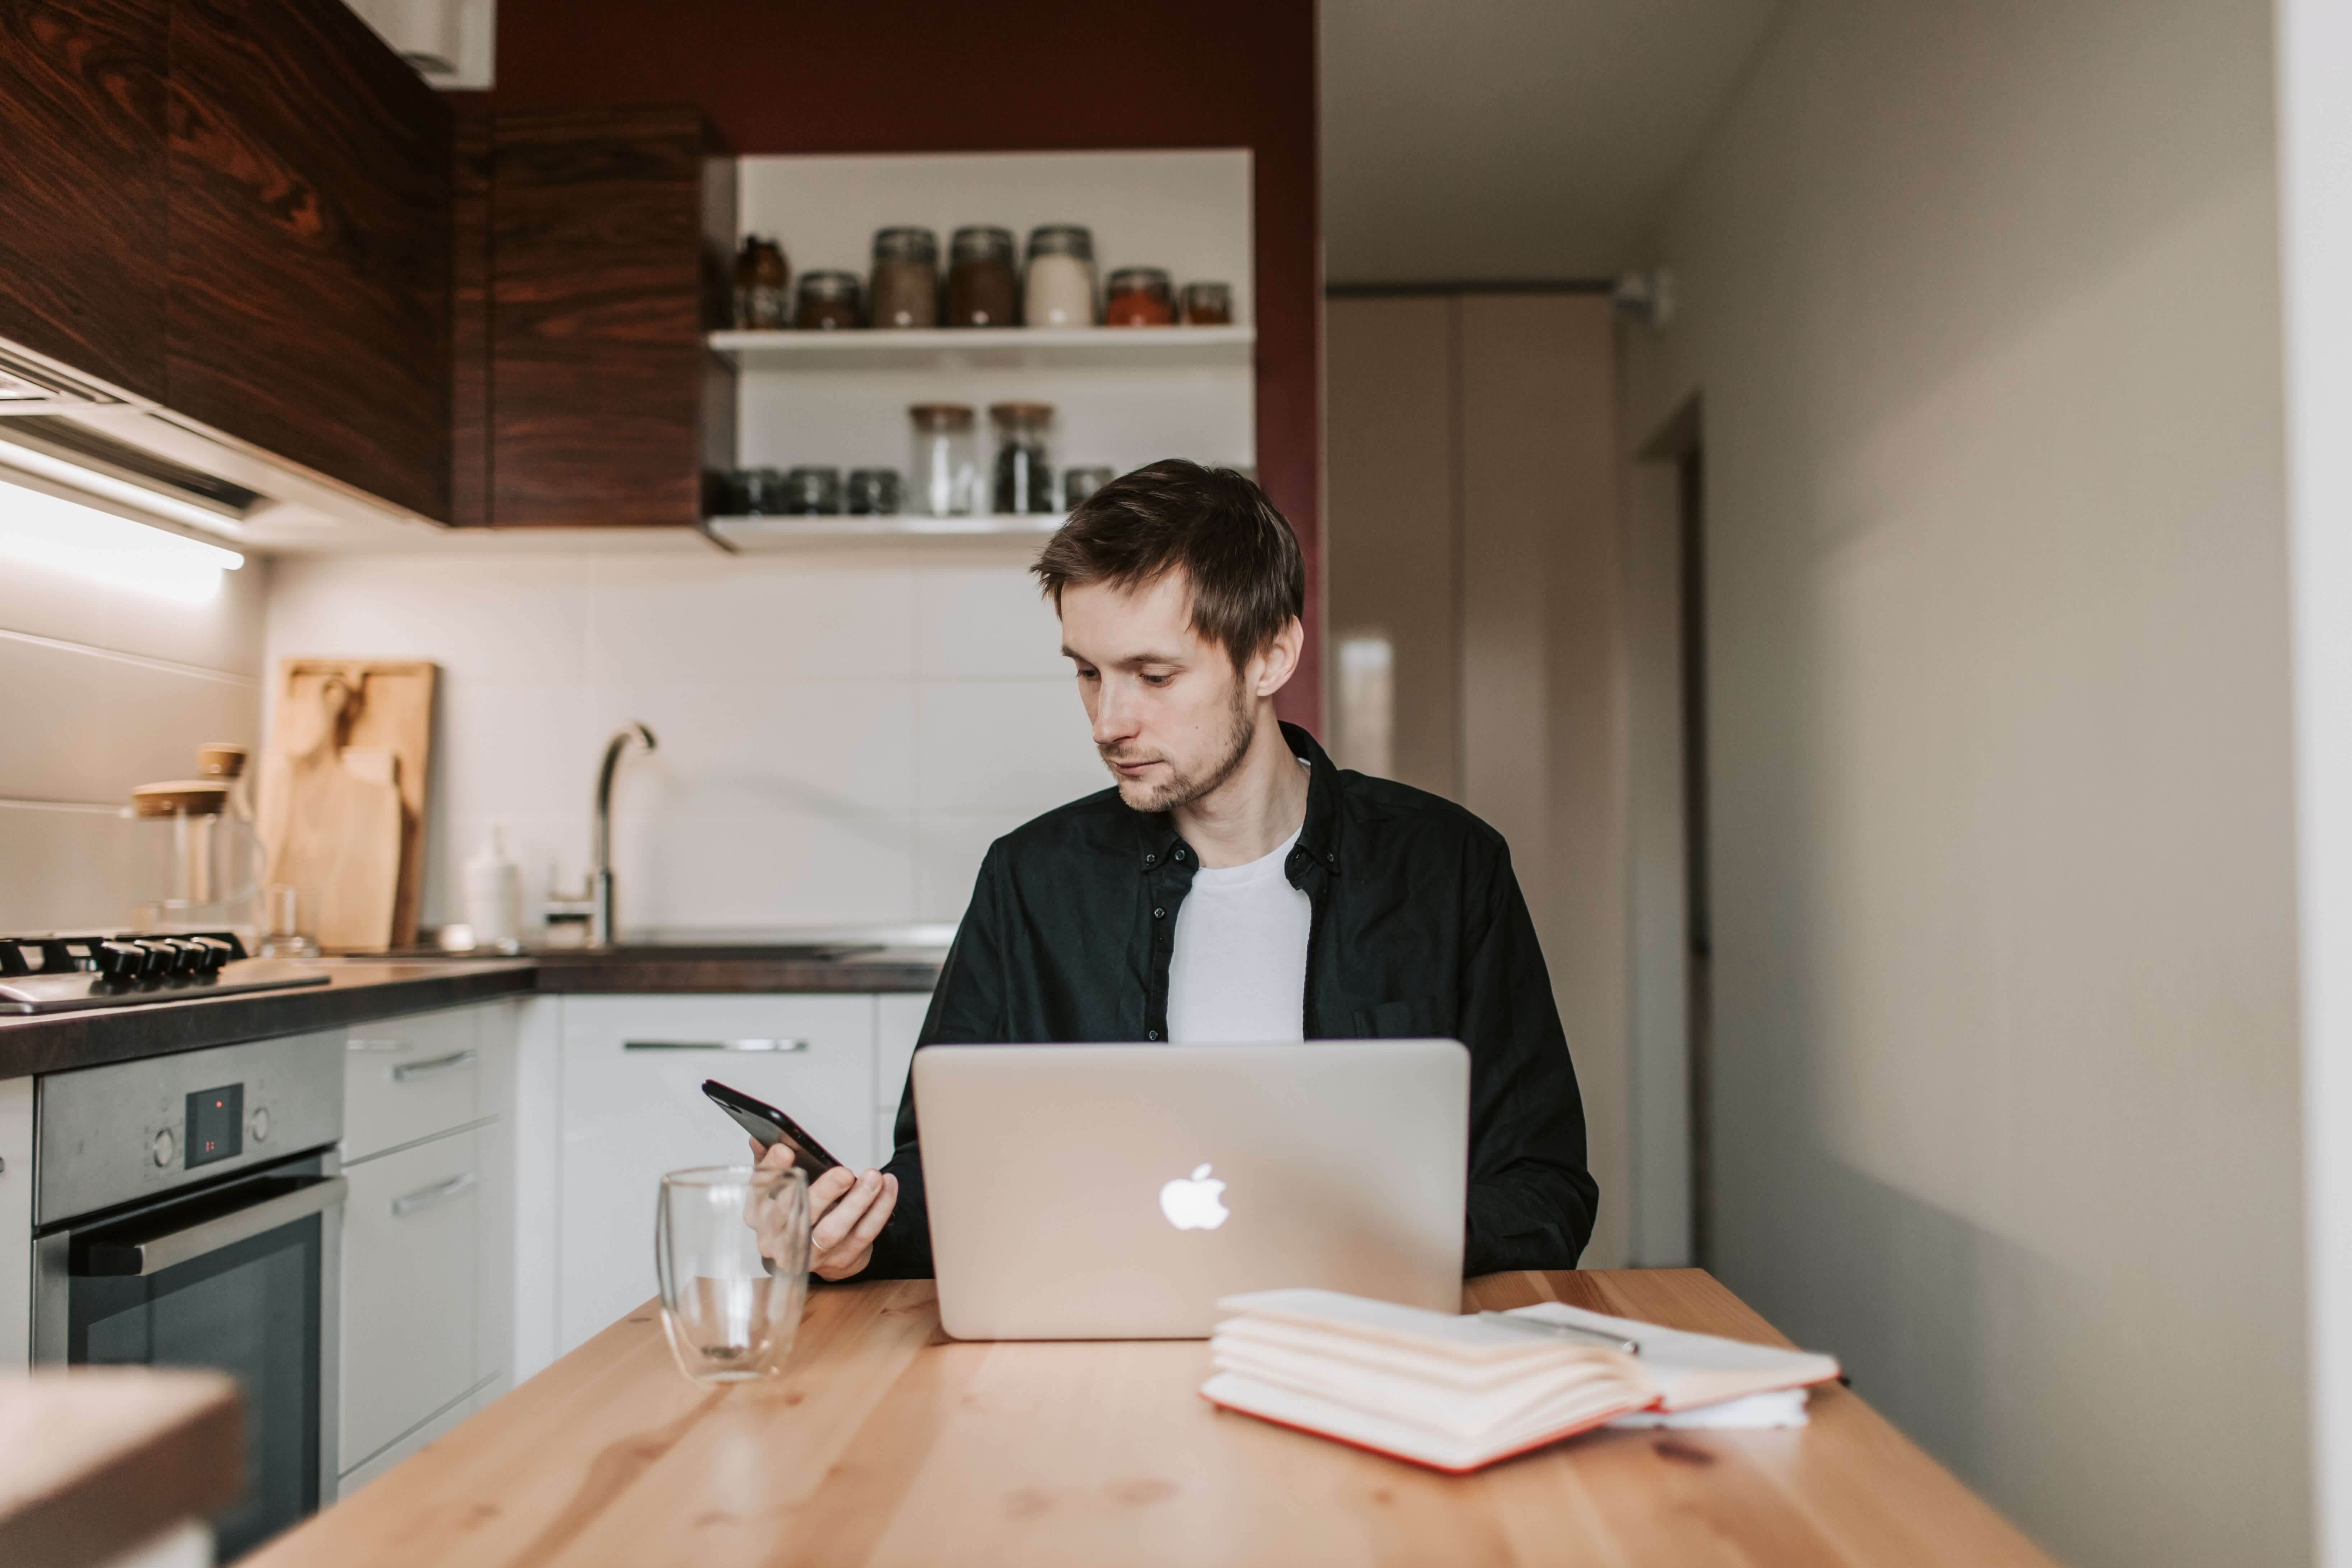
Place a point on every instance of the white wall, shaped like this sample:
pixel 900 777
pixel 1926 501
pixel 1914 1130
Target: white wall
pixel 1982 301
pixel 107 689
pixel 841 734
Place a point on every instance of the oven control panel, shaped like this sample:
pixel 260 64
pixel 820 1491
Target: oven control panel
pixel 131 1131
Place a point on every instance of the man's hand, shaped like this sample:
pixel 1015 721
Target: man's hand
pixel 846 1212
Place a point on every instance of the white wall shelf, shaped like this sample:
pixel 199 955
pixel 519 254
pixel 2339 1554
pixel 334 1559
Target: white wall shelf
pixel 990 348
pixel 751 534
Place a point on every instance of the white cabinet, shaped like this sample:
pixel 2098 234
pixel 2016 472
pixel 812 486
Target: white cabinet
pixel 428 1250
pixel 406 1078
pixel 411 1280
pixel 898 1022
pixel 633 1107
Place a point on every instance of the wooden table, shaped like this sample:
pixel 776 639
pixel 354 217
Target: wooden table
pixel 98 1461
pixel 886 1443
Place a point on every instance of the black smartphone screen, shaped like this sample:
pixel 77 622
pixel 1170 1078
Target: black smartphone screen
pixel 770 1126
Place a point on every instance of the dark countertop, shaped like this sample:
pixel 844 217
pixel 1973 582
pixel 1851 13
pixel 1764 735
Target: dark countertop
pixel 360 990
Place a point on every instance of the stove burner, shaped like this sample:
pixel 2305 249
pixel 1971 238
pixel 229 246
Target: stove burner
pixel 56 973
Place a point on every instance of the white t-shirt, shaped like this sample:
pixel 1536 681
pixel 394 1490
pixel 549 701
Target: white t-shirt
pixel 1239 969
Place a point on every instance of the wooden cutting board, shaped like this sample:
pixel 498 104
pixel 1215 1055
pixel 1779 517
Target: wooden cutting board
pixel 331 819
pixel 390 710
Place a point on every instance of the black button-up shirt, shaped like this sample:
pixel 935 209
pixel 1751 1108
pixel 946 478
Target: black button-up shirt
pixel 1419 931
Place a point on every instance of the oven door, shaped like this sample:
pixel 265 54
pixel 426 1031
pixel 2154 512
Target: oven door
pixel 240 1278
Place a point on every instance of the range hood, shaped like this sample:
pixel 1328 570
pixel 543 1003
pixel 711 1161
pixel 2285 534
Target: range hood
pixel 60 428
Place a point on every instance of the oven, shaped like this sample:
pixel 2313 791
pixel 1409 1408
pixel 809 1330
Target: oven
pixel 189 1213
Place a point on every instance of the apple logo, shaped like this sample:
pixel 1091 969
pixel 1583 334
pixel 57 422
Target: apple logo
pixel 1191 1201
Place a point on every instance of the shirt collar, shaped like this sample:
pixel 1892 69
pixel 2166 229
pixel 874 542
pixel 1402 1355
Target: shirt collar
pixel 1156 840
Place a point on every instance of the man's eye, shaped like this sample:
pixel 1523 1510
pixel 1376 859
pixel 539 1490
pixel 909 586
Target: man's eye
pixel 1084 674
pixel 1158 679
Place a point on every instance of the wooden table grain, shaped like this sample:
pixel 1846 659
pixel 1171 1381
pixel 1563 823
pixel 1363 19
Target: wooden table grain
pixel 884 1442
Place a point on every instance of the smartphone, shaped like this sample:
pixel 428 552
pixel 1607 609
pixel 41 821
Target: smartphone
pixel 769 1127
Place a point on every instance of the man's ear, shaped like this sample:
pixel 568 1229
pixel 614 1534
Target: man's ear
pixel 1279 662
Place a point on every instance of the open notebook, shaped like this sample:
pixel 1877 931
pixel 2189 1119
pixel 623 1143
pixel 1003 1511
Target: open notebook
pixel 1456 1393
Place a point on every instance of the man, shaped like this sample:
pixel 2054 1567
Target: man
pixel 1233 885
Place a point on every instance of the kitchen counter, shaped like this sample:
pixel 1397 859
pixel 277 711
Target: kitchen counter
pixel 885 1442
pixel 361 989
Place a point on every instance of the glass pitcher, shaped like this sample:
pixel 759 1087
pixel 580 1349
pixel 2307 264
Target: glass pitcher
pixel 200 854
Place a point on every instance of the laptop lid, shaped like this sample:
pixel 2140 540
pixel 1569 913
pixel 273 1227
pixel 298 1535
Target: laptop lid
pixel 1116 1192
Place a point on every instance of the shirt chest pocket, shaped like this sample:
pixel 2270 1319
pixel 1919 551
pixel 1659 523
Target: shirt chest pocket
pixel 1407 1018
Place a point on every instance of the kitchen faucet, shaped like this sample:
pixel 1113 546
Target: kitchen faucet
pixel 594 904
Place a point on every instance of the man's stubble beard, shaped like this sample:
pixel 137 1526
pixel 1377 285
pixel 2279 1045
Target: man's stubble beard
pixel 1182 788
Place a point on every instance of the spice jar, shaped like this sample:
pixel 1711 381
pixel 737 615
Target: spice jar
pixel 762 492
pixel 875 492
pixel 828 301
pixel 1140 297
pixel 945 475
pixel 982 291
pixel 1060 290
pixel 762 285
pixel 1024 478
pixel 906 291
pixel 813 492
pixel 1208 305
pixel 1077 484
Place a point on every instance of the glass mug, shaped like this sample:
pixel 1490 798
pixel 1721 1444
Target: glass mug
pixel 731 1250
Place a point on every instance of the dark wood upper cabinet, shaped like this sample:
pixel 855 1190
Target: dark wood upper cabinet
pixel 611 231
pixel 308 256
pixel 82 237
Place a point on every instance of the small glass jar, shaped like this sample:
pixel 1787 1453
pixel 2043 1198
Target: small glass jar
pixel 813 492
pixel 1025 474
pixel 981 289
pixel 876 493
pixel 828 302
pixel 1208 305
pixel 1140 297
pixel 945 470
pixel 763 285
pixel 1060 289
pixel 762 492
pixel 1077 484
pixel 906 291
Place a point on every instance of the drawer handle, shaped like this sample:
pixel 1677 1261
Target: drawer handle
pixel 757 1045
pixel 404 1071
pixel 440 1193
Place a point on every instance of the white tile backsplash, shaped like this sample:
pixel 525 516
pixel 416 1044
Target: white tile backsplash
pixel 108 690
pixel 841 734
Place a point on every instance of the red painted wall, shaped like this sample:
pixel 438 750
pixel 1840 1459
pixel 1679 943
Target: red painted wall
pixel 952 76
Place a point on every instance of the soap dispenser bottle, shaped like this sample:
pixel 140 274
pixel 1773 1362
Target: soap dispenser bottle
pixel 494 894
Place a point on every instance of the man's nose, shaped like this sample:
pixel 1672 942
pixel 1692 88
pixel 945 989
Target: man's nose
pixel 1113 723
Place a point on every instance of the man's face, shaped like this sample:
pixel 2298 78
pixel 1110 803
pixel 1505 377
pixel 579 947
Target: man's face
pixel 1171 716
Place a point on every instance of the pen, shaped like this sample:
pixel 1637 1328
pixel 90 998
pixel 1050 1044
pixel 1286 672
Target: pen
pixel 1572 1331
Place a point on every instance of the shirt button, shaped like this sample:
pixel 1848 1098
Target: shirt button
pixel 1332 859
pixel 1151 859
pixel 1150 1033
pixel 1160 914
pixel 1179 854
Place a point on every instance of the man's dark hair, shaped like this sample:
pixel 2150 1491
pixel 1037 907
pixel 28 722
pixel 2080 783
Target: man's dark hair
pixel 1241 559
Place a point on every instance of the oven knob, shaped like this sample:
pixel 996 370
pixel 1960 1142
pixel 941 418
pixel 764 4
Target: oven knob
pixel 260 1124
pixel 118 960
pixel 165 1147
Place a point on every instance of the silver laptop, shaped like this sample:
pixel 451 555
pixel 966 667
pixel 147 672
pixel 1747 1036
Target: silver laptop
pixel 1116 1192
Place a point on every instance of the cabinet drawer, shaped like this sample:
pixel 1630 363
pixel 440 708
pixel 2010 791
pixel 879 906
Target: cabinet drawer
pixel 409 1285
pixel 633 1108
pixel 406 1078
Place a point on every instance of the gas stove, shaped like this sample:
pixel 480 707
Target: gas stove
pixel 61 973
